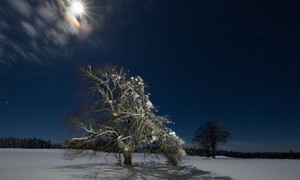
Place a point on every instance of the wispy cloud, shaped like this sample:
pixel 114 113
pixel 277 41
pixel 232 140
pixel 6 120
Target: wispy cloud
pixel 4 25
pixel 42 31
pixel 21 7
pixel 29 29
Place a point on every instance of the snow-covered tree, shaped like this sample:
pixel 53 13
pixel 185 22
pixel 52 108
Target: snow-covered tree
pixel 118 116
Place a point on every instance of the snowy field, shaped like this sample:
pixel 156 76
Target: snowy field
pixel 22 164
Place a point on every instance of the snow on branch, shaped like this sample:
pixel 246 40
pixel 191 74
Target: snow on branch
pixel 120 111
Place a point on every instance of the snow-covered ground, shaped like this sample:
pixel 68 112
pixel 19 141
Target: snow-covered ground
pixel 22 164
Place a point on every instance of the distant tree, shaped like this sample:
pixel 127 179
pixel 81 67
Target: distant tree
pixel 210 135
pixel 118 116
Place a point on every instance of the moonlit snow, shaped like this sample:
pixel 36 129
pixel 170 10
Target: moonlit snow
pixel 23 164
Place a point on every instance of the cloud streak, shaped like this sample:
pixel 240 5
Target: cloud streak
pixel 21 7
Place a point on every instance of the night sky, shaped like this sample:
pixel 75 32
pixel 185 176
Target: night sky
pixel 233 61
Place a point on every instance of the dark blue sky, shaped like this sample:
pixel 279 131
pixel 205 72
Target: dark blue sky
pixel 233 61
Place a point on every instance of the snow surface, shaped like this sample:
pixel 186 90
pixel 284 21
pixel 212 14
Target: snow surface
pixel 23 164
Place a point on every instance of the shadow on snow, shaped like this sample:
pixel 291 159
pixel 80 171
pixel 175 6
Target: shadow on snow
pixel 141 171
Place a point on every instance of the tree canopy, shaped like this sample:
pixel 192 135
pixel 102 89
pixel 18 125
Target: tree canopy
pixel 210 135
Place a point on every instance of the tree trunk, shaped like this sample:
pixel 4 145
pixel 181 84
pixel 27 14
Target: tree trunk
pixel 207 152
pixel 127 158
pixel 214 153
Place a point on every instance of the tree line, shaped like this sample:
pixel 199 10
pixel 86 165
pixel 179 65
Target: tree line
pixel 27 143
pixel 248 155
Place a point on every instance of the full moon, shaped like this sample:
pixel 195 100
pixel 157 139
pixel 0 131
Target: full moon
pixel 77 8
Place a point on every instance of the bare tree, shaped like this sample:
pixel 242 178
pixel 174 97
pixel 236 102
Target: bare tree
pixel 210 135
pixel 118 116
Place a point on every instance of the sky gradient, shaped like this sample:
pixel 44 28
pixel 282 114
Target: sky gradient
pixel 236 62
